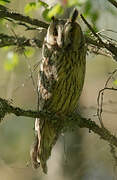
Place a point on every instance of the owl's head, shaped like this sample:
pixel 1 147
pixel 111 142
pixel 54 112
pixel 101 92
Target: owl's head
pixel 65 33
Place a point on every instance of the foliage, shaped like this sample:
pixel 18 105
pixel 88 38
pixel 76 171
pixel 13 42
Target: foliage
pixel 3 2
pixel 32 6
pixel 58 9
pixel 87 7
pixel 29 52
pixel 50 12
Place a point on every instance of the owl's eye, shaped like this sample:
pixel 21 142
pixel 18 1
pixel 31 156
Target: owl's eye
pixel 55 32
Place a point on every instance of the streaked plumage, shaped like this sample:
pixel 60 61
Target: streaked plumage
pixel 60 82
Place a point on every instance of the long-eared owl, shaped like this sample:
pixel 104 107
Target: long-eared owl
pixel 60 82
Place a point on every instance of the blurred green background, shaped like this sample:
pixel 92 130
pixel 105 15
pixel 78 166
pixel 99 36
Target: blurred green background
pixel 77 155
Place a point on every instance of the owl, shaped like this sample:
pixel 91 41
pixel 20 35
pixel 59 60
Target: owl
pixel 60 82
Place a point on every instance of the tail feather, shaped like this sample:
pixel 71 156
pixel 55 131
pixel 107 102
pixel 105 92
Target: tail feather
pixel 45 140
pixel 48 138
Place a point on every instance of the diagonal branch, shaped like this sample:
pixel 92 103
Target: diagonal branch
pixel 6 13
pixel 70 122
pixel 109 46
pixel 113 2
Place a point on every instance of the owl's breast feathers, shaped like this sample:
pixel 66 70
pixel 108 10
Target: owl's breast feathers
pixel 61 78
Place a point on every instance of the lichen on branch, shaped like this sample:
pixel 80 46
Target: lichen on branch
pixel 6 40
pixel 69 123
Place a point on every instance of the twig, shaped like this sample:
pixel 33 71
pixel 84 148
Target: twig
pixel 108 38
pixel 109 46
pixel 101 96
pixel 112 150
pixel 92 30
pixel 98 51
pixel 106 30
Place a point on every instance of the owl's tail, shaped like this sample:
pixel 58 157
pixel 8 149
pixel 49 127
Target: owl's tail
pixel 46 137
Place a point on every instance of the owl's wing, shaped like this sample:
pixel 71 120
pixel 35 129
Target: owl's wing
pixel 46 133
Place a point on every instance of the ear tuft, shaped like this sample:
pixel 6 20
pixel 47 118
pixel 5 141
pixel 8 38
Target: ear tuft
pixel 74 15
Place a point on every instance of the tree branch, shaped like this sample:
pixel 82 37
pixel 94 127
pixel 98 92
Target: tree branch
pixel 113 2
pixel 6 13
pixel 6 40
pixel 108 45
pixel 69 123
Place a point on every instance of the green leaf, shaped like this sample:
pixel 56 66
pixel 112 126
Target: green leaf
pixel 45 14
pixel 57 9
pixel 41 3
pixel 3 2
pixel 30 7
pixel 11 61
pixel 115 82
pixel 34 6
pixel 29 52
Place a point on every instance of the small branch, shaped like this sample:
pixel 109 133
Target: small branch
pixel 98 51
pixel 6 40
pixel 101 95
pixel 6 13
pixel 91 29
pixel 113 152
pixel 113 2
pixel 109 46
pixel 70 122
pixel 93 42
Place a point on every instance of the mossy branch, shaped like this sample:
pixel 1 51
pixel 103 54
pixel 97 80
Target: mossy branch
pixel 7 13
pixel 69 123
pixel 6 40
